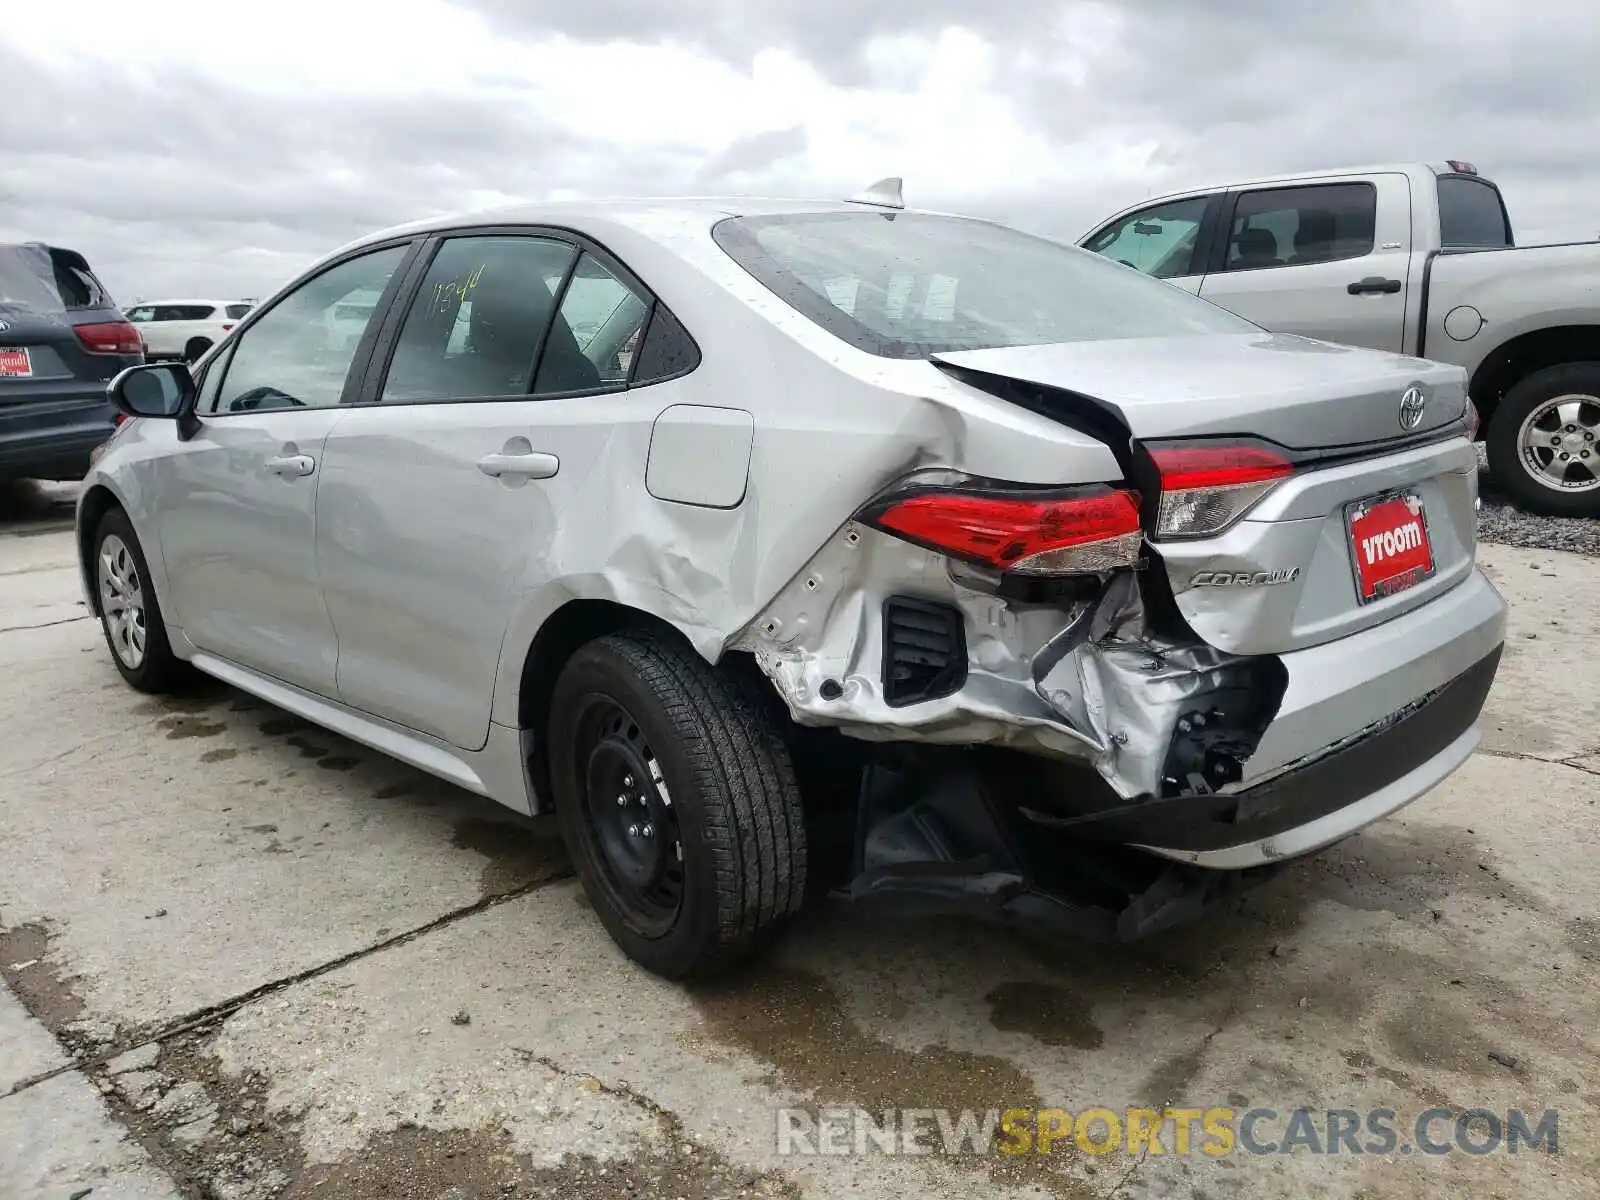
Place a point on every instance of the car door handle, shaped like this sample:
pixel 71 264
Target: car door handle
pixel 532 465
pixel 292 465
pixel 1374 285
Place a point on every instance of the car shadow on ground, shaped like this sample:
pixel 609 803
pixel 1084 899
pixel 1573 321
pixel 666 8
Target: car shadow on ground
pixel 28 507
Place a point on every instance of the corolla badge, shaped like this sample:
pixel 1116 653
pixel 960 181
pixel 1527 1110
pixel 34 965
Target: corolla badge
pixel 1412 405
pixel 1245 579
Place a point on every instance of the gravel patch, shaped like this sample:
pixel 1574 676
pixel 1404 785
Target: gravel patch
pixel 1499 521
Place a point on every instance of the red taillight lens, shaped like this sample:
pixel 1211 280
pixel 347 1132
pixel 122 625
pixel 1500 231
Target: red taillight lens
pixel 1205 489
pixel 226 328
pixel 110 337
pixel 1028 535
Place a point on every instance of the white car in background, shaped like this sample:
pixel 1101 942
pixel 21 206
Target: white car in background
pixel 184 329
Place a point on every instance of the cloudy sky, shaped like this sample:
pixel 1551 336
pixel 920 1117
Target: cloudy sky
pixel 215 147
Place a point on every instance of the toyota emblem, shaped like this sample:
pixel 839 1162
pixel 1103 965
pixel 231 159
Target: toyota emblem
pixel 1412 406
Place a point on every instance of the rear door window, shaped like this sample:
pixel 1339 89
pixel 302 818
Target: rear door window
pixel 1289 227
pixel 1471 214
pixel 595 336
pixel 478 320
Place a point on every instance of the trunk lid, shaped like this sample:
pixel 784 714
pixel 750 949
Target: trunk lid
pixel 1302 394
pixel 1285 576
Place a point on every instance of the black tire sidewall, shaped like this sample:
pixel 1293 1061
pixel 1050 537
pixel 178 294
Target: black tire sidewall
pixel 1505 455
pixel 599 669
pixel 159 665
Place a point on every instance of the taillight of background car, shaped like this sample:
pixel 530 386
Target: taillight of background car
pixel 1207 487
pixel 109 337
pixel 1029 532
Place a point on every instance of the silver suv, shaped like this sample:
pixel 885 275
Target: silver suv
pixel 772 540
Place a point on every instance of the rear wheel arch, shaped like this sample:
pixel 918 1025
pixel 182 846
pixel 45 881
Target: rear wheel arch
pixel 572 626
pixel 1517 358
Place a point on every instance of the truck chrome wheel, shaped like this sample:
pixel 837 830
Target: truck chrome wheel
pixel 121 601
pixel 1559 443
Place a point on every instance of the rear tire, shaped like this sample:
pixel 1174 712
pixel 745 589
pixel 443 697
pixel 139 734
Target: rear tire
pixel 678 802
pixel 195 348
pixel 1552 412
pixel 130 615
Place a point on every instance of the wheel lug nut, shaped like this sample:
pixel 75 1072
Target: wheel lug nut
pixel 649 831
pixel 633 831
pixel 1565 456
pixel 1555 441
pixel 622 801
pixel 627 781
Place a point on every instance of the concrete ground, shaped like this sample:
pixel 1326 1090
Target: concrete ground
pixel 246 959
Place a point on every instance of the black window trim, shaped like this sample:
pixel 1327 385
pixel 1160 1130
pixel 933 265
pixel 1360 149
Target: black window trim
pixel 369 338
pixel 1219 249
pixel 376 370
pixel 1210 221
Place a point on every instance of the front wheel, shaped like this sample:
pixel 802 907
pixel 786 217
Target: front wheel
pixel 1544 441
pixel 678 802
pixel 130 615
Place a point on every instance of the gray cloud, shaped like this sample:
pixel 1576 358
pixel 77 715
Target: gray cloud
pixel 184 183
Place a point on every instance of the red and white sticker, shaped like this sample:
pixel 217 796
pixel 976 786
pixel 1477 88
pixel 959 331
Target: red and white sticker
pixel 1390 546
pixel 15 363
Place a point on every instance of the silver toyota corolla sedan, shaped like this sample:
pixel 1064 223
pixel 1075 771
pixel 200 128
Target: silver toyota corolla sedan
pixel 763 539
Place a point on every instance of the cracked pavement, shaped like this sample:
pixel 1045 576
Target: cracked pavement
pixel 244 958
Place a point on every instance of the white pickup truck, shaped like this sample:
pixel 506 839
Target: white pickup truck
pixel 1419 259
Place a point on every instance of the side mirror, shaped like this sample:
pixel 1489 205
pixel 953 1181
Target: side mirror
pixel 153 390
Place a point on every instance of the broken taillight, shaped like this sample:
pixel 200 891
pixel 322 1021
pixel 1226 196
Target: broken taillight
pixel 1073 532
pixel 1206 488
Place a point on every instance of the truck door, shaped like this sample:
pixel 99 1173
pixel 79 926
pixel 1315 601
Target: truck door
pixel 1328 259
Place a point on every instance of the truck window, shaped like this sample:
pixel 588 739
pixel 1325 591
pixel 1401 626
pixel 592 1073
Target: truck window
pixel 1470 213
pixel 1159 241
pixel 1289 227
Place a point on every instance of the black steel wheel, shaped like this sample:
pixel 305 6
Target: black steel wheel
pixel 678 802
pixel 631 819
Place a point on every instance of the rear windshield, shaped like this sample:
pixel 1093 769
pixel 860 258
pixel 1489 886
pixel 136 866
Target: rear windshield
pixel 907 285
pixel 235 311
pixel 41 279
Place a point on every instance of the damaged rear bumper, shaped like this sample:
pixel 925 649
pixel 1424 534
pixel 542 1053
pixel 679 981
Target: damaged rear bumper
pixel 973 832
pixel 951 831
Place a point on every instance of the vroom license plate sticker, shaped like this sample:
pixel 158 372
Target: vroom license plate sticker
pixel 1389 545
pixel 14 363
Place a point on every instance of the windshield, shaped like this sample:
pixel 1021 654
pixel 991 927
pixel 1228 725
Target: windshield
pixel 907 285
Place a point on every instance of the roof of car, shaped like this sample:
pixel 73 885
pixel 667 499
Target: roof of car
pixel 641 213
